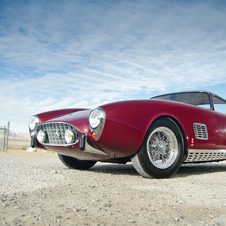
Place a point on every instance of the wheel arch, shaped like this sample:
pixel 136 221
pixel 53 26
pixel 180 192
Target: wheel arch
pixel 146 165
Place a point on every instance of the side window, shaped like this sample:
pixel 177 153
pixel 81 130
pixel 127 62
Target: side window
pixel 219 104
pixel 206 106
pixel 202 100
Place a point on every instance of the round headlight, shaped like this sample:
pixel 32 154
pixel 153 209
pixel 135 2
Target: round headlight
pixel 95 117
pixel 41 136
pixel 34 120
pixel 69 136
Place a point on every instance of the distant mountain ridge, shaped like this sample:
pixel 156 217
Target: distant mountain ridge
pixel 12 135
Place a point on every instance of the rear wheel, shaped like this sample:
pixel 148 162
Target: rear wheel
pixel 162 150
pixel 75 163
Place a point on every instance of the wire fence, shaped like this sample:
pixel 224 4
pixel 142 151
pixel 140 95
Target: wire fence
pixel 4 137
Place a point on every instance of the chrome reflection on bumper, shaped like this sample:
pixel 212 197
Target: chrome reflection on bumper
pixel 199 155
pixel 85 147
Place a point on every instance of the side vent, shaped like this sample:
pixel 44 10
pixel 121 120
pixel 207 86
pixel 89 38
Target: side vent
pixel 200 131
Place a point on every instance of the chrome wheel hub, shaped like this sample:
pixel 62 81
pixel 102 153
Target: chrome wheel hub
pixel 162 147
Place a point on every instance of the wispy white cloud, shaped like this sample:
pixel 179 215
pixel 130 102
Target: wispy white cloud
pixel 59 54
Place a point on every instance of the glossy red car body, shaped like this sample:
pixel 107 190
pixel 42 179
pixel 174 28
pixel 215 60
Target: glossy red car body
pixel 127 123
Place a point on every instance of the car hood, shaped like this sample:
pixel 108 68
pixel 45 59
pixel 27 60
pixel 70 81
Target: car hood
pixel 79 119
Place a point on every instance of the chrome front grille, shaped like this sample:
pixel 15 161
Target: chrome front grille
pixel 200 131
pixel 205 155
pixel 55 133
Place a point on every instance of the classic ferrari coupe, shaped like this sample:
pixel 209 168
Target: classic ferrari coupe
pixel 157 135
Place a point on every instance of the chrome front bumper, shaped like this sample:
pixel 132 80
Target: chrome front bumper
pixel 84 145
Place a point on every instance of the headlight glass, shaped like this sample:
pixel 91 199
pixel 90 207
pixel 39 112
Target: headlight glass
pixel 69 136
pixel 41 136
pixel 95 117
pixel 34 120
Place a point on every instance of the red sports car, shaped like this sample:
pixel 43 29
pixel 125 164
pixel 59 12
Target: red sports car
pixel 157 135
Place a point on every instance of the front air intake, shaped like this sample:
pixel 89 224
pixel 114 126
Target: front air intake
pixel 55 133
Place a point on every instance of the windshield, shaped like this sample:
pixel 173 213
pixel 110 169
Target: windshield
pixel 200 99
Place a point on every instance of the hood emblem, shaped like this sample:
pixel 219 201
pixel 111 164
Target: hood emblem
pixel 57 133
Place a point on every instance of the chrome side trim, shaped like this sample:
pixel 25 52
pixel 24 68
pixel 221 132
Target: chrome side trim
pixel 200 155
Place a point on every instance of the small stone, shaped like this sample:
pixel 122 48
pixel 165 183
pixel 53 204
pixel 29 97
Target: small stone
pixel 131 221
pixel 5 205
pixel 31 149
pixel 77 210
pixel 105 204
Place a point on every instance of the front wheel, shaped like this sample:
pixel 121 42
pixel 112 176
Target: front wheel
pixel 74 163
pixel 162 150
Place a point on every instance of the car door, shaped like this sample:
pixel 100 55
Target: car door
pixel 220 108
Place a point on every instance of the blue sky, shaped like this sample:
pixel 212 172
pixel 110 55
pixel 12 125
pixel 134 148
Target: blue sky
pixel 62 54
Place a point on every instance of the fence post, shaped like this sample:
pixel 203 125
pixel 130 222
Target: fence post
pixel 4 130
pixel 7 138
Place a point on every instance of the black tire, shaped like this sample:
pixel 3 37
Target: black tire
pixel 162 150
pixel 74 163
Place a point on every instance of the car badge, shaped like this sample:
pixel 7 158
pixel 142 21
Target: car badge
pixel 57 133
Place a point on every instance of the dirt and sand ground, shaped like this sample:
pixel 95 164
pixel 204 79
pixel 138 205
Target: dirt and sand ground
pixel 37 189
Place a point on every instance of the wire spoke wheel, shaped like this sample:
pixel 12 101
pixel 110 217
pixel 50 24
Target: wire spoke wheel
pixel 162 150
pixel 162 147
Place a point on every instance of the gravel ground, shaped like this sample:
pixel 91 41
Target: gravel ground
pixel 40 190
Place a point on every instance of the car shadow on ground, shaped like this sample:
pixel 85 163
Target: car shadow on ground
pixel 184 171
pixel 201 168
pixel 112 168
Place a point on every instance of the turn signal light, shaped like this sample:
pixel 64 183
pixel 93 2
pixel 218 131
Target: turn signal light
pixel 94 135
